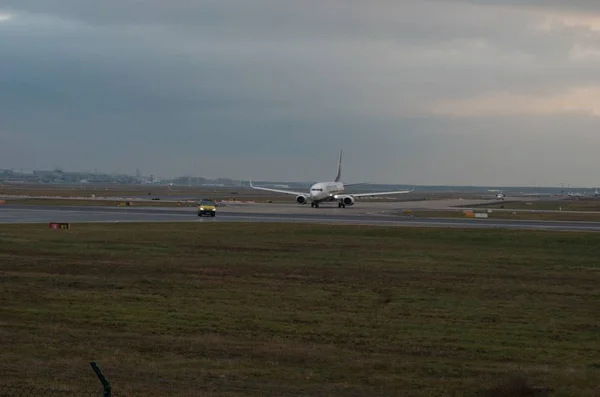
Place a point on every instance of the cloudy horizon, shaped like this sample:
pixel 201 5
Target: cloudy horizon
pixel 456 92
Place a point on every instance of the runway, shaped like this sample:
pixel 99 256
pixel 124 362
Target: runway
pixel 368 215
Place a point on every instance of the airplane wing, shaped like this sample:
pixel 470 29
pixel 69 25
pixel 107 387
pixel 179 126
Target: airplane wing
pixel 356 184
pixel 268 189
pixel 380 193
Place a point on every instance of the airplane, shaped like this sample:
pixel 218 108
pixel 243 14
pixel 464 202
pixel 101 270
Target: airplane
pixel 499 193
pixel 322 192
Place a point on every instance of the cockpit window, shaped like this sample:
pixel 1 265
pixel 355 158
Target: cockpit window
pixel 317 190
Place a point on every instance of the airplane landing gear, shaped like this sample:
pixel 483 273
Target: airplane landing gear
pixel 314 205
pixel 341 204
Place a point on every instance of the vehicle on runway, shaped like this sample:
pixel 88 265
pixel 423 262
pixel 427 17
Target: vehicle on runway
pixel 322 192
pixel 207 207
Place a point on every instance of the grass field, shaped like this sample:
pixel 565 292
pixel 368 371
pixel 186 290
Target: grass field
pixel 582 204
pixel 287 310
pixel 99 202
pixel 166 192
pixel 135 191
pixel 520 215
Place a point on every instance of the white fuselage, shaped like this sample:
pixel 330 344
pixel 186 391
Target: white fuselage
pixel 324 191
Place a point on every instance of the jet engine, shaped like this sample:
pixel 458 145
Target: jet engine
pixel 348 200
pixel 301 199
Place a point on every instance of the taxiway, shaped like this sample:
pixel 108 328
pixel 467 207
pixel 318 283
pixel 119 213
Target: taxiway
pixel 366 214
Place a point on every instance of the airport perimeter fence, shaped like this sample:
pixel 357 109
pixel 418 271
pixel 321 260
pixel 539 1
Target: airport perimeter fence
pixel 27 391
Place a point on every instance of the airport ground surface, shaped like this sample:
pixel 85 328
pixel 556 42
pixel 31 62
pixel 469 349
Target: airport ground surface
pixel 282 310
pixel 363 213
pixel 279 309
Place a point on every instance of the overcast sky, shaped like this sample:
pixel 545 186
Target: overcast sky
pixel 496 92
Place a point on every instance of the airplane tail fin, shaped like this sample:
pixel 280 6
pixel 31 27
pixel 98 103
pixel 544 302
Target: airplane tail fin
pixel 338 177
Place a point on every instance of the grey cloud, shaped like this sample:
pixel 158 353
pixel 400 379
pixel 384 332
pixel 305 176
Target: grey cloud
pixel 222 88
pixel 411 22
pixel 572 5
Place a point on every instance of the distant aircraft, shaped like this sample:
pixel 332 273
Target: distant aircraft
pixel 499 193
pixel 322 192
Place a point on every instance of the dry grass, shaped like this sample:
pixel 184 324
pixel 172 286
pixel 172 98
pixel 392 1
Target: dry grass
pixel 516 385
pixel 170 192
pixel 567 204
pixel 508 215
pixel 282 310
pixel 101 203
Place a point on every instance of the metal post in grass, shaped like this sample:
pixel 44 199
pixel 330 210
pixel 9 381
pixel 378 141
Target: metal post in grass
pixel 105 382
